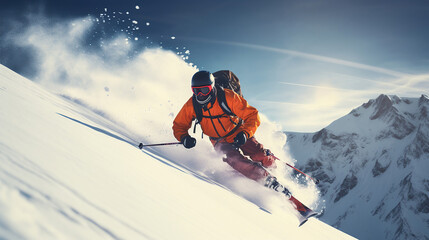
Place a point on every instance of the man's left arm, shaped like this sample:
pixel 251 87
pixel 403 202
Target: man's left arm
pixel 249 114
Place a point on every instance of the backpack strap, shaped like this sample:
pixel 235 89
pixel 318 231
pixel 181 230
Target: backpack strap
pixel 199 114
pixel 224 105
pixel 222 101
pixel 198 110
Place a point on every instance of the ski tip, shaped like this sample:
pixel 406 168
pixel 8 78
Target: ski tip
pixel 302 222
pixel 304 219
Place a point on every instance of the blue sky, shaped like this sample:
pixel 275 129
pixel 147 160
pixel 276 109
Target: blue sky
pixel 301 63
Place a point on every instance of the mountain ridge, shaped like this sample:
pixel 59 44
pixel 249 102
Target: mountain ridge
pixel 374 155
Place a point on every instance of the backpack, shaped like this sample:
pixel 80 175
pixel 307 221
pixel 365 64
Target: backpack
pixel 224 79
pixel 227 79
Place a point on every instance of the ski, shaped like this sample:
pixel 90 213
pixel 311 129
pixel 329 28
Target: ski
pixel 304 212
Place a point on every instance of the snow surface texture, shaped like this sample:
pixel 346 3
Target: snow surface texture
pixel 68 173
pixel 373 165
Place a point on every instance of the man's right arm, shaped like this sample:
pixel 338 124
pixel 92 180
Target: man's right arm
pixel 183 120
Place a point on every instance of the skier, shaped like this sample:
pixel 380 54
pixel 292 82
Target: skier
pixel 229 133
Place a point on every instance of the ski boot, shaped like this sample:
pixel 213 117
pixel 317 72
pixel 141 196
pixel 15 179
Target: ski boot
pixel 304 212
pixel 271 182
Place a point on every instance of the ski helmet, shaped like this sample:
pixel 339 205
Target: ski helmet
pixel 203 87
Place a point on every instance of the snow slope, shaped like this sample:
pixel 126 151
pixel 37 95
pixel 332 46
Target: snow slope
pixel 68 173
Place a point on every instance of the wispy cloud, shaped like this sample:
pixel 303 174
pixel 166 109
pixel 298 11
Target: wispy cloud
pixel 310 56
pixel 415 83
pixel 391 84
pixel 399 82
pixel 317 86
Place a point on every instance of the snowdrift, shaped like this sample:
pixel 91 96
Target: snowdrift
pixel 68 173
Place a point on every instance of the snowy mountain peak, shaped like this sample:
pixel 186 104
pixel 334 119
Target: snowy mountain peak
pixel 424 99
pixel 384 117
pixel 375 157
pixel 424 105
pixel 383 105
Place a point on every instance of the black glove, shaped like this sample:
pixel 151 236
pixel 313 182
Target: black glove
pixel 188 141
pixel 240 139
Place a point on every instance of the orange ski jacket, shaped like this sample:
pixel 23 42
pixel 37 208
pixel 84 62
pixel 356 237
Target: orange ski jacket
pixel 219 127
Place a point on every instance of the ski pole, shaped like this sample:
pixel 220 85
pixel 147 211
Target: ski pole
pixel 141 145
pixel 296 169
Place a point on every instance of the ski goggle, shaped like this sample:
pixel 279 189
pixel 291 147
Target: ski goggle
pixel 203 90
